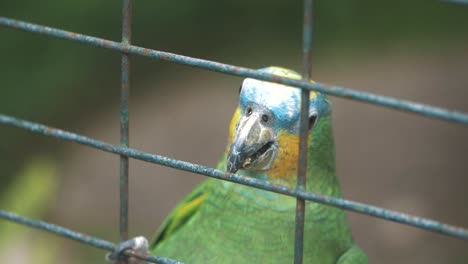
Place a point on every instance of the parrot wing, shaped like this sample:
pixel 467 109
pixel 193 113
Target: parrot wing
pixel 181 214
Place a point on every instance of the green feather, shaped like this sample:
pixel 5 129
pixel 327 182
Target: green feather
pixel 180 215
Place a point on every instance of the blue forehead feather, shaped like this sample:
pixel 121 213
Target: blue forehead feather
pixel 283 101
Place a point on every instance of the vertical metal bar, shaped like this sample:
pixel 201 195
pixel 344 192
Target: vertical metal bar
pixel 303 134
pixel 124 118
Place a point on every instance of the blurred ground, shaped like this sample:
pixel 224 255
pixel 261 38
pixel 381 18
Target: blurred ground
pixel 386 158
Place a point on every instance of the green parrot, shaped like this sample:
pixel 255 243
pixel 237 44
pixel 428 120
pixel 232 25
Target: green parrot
pixel 225 222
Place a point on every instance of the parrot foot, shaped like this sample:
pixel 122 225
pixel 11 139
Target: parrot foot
pixel 138 244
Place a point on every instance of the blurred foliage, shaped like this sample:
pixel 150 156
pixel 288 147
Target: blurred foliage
pixel 59 82
pixel 31 194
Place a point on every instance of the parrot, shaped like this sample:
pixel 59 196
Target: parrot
pixel 226 222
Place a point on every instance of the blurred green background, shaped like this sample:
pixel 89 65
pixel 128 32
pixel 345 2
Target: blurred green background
pixel 416 50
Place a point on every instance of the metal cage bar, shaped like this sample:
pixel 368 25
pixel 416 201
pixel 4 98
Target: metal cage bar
pixel 124 117
pixel 303 133
pixel 456 2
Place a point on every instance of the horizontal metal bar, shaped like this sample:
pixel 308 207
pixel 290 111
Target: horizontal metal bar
pixel 80 237
pixel 379 212
pixel 391 102
pixel 457 2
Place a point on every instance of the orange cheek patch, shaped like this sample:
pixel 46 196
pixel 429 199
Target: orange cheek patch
pixel 285 165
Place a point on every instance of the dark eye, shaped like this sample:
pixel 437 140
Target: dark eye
pixel 248 110
pixel 312 120
pixel 265 118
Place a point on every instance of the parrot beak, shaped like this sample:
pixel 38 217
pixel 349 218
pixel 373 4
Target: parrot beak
pixel 254 146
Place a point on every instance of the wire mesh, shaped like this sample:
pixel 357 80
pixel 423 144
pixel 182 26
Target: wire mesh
pixel 379 100
pixel 125 152
pixel 253 182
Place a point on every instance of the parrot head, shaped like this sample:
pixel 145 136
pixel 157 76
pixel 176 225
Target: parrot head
pixel 264 131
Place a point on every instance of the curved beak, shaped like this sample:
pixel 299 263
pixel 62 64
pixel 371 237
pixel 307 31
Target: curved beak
pixel 254 145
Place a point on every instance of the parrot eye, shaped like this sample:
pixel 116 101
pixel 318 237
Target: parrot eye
pixel 248 110
pixel 312 120
pixel 265 118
